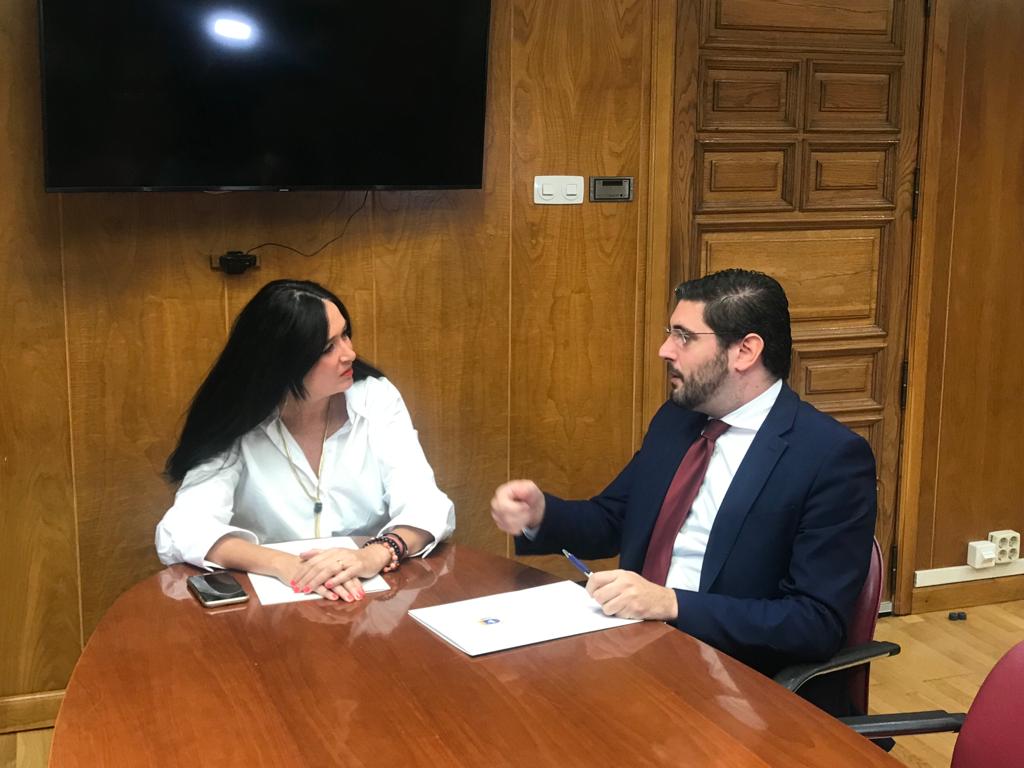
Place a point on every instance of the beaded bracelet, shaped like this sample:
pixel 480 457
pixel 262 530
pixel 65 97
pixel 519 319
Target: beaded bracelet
pixel 392 547
pixel 403 547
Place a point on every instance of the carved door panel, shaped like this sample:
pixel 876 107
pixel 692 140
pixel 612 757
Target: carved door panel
pixel 795 143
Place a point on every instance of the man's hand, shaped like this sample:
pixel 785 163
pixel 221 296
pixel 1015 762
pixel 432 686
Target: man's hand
pixel 629 595
pixel 517 505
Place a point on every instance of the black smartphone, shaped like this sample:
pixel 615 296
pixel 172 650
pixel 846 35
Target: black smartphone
pixel 213 589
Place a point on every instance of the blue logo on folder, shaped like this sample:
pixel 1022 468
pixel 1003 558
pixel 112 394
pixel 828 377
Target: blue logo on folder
pixel 490 621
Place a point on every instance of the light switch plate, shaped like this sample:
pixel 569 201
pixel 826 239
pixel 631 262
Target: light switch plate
pixel 558 190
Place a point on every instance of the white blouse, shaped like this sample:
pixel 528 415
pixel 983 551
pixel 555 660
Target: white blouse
pixel 375 478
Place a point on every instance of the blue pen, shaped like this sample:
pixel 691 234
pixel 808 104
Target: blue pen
pixel 577 562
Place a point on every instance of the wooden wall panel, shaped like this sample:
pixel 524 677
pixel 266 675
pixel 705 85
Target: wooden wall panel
pixel 40 626
pixel 965 382
pixel 830 274
pixel 574 268
pixel 443 338
pixel 690 86
pixel 849 176
pixel 837 379
pixel 571 355
pixel 980 404
pixel 872 25
pixel 145 317
pixel 853 96
pixel 656 232
pixel 745 177
pixel 749 94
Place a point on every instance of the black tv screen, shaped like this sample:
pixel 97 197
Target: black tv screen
pixel 263 94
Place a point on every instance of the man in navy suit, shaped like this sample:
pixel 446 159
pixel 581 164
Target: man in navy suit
pixel 775 547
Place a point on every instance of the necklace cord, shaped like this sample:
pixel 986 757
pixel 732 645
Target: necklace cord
pixel 317 504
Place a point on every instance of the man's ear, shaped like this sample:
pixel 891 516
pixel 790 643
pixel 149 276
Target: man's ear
pixel 749 351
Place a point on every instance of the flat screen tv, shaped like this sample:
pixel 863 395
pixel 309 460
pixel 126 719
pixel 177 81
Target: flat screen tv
pixel 263 94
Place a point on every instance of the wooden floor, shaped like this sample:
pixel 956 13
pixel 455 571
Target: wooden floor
pixel 941 667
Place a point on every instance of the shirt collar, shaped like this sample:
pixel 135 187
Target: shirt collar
pixel 355 402
pixel 751 415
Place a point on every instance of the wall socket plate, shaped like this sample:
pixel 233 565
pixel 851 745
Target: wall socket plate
pixel 1007 545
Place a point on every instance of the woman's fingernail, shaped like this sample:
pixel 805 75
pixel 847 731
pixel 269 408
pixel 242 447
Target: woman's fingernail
pixel 348 599
pixel 306 589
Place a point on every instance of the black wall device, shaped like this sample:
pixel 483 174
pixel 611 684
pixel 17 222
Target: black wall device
pixel 611 189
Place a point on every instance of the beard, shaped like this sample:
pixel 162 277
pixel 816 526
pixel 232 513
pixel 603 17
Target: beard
pixel 696 389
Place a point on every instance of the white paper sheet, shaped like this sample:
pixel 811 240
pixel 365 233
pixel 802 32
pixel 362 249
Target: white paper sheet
pixel 512 619
pixel 270 591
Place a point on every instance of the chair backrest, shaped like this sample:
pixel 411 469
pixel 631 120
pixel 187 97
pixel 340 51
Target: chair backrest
pixel 993 732
pixel 862 627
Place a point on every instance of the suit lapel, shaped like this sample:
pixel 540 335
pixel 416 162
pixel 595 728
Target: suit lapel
pixel 754 471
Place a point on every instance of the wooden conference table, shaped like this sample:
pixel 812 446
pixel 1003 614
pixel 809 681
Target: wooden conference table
pixel 164 682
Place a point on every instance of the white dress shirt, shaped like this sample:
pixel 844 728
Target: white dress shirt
pixel 375 477
pixel 692 540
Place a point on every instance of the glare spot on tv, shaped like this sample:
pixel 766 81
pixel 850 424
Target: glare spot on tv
pixel 232 31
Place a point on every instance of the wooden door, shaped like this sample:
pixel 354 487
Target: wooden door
pixel 795 142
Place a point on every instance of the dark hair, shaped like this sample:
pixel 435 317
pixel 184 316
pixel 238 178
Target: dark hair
pixel 738 302
pixel 275 341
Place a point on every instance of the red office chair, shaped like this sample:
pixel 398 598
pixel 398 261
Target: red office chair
pixel 991 734
pixel 859 650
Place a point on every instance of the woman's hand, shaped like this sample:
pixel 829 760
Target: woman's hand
pixel 235 552
pixel 335 572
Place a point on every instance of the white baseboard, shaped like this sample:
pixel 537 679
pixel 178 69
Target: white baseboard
pixel 935 576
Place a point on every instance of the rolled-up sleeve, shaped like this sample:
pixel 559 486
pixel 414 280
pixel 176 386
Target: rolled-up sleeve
pixel 411 492
pixel 202 512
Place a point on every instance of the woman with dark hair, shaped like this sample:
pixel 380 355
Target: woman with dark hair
pixel 292 436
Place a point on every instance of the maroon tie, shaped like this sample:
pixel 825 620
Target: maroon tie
pixel 678 500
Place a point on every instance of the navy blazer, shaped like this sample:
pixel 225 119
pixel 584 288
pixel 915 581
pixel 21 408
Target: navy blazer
pixel 789 549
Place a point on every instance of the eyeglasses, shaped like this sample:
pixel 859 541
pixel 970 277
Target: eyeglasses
pixel 683 337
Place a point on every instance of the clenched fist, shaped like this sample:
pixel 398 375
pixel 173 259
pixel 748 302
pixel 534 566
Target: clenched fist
pixel 517 505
